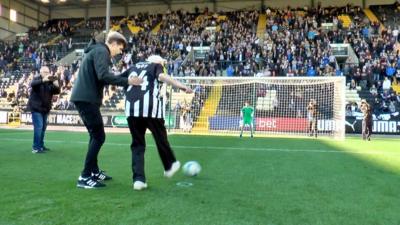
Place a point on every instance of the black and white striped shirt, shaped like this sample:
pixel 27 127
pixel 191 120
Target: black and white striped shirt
pixel 145 100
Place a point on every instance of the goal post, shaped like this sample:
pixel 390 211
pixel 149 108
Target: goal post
pixel 280 105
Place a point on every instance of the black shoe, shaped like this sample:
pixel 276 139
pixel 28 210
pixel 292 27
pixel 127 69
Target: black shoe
pixel 45 149
pixel 101 176
pixel 89 183
pixel 37 151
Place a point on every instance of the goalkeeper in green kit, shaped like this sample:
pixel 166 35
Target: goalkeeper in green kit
pixel 246 118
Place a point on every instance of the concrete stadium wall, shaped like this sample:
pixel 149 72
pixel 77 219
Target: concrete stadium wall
pixel 29 14
pixel 221 5
pixel 379 2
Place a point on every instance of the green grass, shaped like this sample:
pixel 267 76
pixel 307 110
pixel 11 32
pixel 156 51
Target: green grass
pixel 243 181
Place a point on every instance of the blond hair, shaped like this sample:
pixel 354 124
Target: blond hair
pixel 114 36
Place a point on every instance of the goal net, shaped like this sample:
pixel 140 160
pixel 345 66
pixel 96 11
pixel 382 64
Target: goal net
pixel 280 105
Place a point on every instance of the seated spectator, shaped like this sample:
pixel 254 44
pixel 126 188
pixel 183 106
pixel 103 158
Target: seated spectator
pixel 385 95
pixel 390 71
pixel 3 63
pixel 392 107
pixel 397 77
pixel 386 84
pixel 384 106
pixel 338 72
pixel 311 72
pixel 354 108
pixel 353 85
pixel 373 90
pixel 230 71
pixel 290 73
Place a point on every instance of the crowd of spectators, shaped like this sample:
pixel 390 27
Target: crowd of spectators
pixel 294 44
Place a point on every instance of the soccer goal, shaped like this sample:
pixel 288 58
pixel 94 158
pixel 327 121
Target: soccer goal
pixel 280 105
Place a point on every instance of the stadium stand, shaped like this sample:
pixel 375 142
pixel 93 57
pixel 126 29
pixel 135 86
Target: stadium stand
pixel 274 42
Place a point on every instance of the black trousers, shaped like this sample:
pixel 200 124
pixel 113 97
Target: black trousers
pixel 91 117
pixel 312 127
pixel 138 127
pixel 366 129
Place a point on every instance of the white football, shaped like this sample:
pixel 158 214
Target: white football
pixel 191 168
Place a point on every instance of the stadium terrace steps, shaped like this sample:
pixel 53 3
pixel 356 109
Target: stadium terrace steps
pixel 117 27
pixel 365 94
pixel 352 96
pixel 54 40
pixel 181 97
pixel 82 22
pixel 133 28
pixel 396 87
pixel 371 16
pixel 209 109
pixel 59 37
pixel 156 29
pixel 267 102
pixel 261 25
pixel 346 20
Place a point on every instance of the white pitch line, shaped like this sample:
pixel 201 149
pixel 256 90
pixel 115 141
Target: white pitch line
pixel 373 152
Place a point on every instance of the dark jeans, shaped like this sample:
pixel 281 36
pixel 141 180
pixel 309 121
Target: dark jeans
pixel 91 117
pixel 138 127
pixel 312 127
pixel 366 129
pixel 39 121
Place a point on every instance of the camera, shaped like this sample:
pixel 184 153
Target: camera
pixel 52 78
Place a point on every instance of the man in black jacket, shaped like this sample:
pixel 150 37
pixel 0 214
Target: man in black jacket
pixel 44 86
pixel 87 95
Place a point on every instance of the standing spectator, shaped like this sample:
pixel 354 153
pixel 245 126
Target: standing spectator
pixel 312 113
pixel 367 120
pixel 390 70
pixel 87 95
pixel 3 63
pixel 386 84
pixel 44 86
pixel 230 71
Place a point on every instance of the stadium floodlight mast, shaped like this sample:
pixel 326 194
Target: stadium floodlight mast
pixel 280 105
pixel 108 8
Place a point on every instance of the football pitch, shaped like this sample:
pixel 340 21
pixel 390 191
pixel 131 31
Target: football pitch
pixel 243 181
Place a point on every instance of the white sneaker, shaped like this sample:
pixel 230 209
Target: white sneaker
pixel 139 185
pixel 174 168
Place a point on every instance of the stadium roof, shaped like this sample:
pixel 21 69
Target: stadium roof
pixel 85 3
pixel 82 3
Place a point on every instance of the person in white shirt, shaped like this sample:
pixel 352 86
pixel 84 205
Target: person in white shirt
pixel 395 32
pixel 386 84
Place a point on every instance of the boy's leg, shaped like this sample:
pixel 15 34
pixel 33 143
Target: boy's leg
pixel 159 132
pixel 137 127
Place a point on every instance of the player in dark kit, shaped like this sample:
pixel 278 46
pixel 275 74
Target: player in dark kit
pixel 87 95
pixel 145 109
pixel 367 120
pixel 312 111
